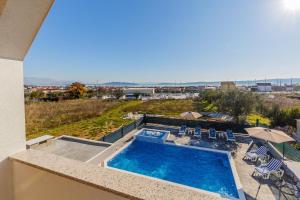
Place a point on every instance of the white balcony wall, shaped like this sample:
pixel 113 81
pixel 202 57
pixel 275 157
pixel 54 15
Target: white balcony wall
pixel 35 184
pixel 12 120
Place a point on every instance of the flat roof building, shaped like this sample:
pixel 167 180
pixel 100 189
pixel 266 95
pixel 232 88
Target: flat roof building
pixel 264 87
pixel 142 91
pixel 228 85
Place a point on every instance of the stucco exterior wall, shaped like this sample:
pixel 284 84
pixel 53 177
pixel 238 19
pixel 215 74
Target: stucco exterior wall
pixel 35 184
pixel 12 119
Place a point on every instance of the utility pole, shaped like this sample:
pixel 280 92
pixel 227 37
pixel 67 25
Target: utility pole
pixel 265 84
pixel 280 82
pixel 97 88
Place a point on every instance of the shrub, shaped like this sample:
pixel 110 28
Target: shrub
pixel 283 117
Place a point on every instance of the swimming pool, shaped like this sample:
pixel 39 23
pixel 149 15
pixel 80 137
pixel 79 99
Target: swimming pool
pixel 197 168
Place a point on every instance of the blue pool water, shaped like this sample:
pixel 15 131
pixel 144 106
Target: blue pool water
pixel 196 168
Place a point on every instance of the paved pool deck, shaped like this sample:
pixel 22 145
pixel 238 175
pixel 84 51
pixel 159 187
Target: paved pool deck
pixel 73 148
pixel 254 188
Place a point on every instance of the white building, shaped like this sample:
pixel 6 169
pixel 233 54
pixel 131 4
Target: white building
pixel 132 93
pixel 264 87
pixel 289 88
pixel 177 96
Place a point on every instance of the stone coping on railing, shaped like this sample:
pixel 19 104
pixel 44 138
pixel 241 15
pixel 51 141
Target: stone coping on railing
pixel 123 184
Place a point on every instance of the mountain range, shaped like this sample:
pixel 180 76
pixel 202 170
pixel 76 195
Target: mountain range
pixel 47 82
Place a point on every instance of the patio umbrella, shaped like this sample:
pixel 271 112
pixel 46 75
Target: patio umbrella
pixel 190 115
pixel 270 135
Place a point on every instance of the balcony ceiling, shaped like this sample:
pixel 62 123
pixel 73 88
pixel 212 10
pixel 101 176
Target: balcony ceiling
pixel 20 21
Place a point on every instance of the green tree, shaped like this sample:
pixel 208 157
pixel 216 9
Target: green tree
pixel 236 103
pixel 262 108
pixel 118 93
pixel 283 117
pixel 294 113
pixel 211 96
pixel 91 93
pixel 278 116
pixel 38 94
pixel 137 95
pixel 101 91
pixel 76 90
pixel 54 96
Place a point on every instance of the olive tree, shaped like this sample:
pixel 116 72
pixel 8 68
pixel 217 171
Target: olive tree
pixel 237 103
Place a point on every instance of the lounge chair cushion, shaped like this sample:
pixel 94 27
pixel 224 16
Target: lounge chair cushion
pixel 272 167
pixel 252 154
pixel 262 170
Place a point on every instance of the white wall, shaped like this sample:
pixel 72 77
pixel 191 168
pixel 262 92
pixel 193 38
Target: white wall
pixel 12 119
pixel 35 184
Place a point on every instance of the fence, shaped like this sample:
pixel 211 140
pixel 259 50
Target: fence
pixel 289 151
pixel 220 126
pixel 121 132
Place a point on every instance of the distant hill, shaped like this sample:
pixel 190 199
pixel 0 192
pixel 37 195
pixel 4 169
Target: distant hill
pixel 46 82
pixel 120 84
pixel 239 82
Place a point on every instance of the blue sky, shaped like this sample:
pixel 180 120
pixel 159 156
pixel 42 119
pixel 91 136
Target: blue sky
pixel 166 41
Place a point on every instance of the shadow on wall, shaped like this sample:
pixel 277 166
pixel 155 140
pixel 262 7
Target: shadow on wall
pixel 6 191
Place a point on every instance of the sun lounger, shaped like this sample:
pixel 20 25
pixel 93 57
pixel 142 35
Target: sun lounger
pixel 182 130
pixel 258 153
pixel 230 136
pixel 212 133
pixel 273 167
pixel 197 132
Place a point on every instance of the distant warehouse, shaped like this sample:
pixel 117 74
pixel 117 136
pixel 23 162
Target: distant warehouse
pixel 135 93
pixel 264 87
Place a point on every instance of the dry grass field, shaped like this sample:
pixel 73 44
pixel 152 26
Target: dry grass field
pixel 42 116
pixel 285 101
pixel 164 107
pixel 93 119
pixel 95 127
